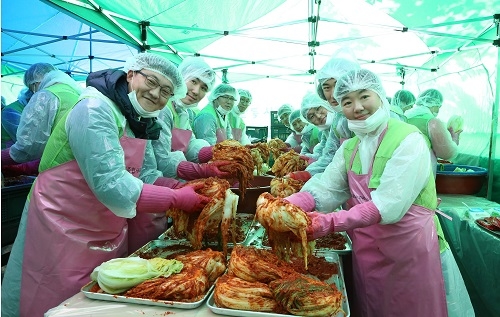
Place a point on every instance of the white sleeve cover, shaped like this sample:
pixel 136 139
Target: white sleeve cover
pixel 245 140
pixel 332 143
pixel 204 127
pixel 93 136
pixel 405 175
pixel 35 127
pixel 291 140
pixel 149 171
pixel 330 188
pixel 167 161
pixel 442 143
pixel 194 147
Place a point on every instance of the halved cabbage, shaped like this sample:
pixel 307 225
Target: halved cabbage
pixel 118 275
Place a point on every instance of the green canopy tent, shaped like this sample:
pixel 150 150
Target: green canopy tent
pixel 448 45
pixel 275 47
pixel 33 32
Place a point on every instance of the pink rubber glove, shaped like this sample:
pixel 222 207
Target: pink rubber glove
pixel 6 158
pixel 303 200
pixel 189 170
pixel 155 199
pixel 168 182
pixel 28 168
pixel 308 159
pixel 299 175
pixel 455 136
pixel 359 216
pixel 206 154
pixel 188 200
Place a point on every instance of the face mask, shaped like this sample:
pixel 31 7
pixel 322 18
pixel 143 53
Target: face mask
pixel 371 124
pixel 222 111
pixel 337 108
pixel 183 105
pixel 329 120
pixel 139 109
pixel 236 110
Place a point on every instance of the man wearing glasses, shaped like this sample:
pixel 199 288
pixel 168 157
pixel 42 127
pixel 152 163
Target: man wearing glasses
pixel 99 192
pixel 212 123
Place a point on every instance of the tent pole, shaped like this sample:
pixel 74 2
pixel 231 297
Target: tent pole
pixel 91 57
pixel 494 116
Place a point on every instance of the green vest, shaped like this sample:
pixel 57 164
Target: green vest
pixel 17 107
pixel 210 109
pixel 193 112
pixel 421 122
pixel 58 151
pixel 235 121
pixel 315 136
pixel 175 116
pixel 67 99
pixel 396 132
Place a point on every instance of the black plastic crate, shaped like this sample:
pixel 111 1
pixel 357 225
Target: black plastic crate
pixel 259 133
pixel 13 200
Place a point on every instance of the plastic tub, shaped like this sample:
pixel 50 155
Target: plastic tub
pixel 257 186
pixel 13 200
pixel 463 183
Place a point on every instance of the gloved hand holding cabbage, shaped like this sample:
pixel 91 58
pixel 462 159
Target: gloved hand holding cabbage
pixel 455 127
pixel 455 124
pixel 118 275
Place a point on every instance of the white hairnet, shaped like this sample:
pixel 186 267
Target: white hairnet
pixel 286 108
pixel 224 90
pixel 195 67
pixel 357 80
pixel 36 72
pixel 24 96
pixel 296 115
pixel 312 100
pixel 342 61
pixel 403 97
pixel 245 93
pixel 160 65
pixel 430 98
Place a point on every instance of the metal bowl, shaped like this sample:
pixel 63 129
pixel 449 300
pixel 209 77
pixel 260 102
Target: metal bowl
pixel 257 186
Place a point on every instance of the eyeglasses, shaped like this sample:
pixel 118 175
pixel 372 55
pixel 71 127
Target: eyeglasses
pixel 245 101
pixel 165 91
pixel 228 98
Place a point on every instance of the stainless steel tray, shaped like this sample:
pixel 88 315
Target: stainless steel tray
pixel 338 279
pixel 245 228
pixel 258 235
pixel 142 301
pixel 155 248
pixel 166 249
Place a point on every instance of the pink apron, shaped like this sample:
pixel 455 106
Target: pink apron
pixel 297 137
pixel 221 135
pixel 144 227
pixel 180 139
pixel 237 133
pixel 397 267
pixel 68 233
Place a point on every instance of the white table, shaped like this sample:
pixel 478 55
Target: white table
pixel 80 305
